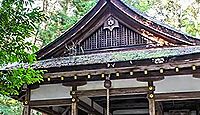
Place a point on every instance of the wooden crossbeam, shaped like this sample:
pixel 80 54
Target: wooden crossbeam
pixel 154 75
pixel 48 103
pixel 121 106
pixel 123 67
pixel 177 96
pixel 113 91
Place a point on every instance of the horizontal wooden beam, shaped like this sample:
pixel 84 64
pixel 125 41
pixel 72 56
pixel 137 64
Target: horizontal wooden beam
pixel 153 72
pixel 113 91
pixel 130 105
pixel 48 103
pixel 177 96
pixel 139 65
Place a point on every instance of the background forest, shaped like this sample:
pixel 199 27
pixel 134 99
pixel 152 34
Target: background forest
pixel 28 25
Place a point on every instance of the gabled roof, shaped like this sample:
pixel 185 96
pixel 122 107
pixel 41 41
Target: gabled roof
pixel 129 15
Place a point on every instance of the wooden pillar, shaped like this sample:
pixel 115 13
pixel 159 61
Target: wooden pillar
pixel 152 110
pixel 26 107
pixel 26 110
pixel 74 106
pixel 74 84
pixel 151 99
pixel 74 110
pixel 107 85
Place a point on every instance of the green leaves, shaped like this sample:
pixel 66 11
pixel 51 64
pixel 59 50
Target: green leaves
pixel 142 5
pixel 62 20
pixel 12 81
pixel 18 22
pixel 9 106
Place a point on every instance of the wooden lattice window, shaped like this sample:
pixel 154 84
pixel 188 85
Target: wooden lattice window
pixel 111 35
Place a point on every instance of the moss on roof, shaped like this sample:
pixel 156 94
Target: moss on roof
pixel 119 56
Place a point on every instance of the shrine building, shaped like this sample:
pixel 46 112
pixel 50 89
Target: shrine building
pixel 117 61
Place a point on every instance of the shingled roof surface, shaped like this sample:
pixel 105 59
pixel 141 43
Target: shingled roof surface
pixel 120 56
pixel 116 56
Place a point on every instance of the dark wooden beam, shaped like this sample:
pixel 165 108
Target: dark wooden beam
pixel 141 97
pixel 75 83
pixel 53 102
pixel 185 68
pixel 180 105
pixel 177 96
pixel 149 78
pixel 113 91
pixel 128 105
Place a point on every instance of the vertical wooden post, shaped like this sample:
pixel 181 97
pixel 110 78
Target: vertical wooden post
pixel 152 110
pixel 107 85
pixel 27 109
pixel 108 101
pixel 74 108
pixel 151 99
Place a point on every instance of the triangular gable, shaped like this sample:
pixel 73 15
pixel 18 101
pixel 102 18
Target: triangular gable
pixel 111 25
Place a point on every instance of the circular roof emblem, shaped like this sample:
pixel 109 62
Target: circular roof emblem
pixel 110 22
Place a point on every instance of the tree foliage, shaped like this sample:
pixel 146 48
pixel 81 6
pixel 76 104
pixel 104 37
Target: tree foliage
pixel 176 13
pixel 61 20
pixel 9 106
pixel 17 24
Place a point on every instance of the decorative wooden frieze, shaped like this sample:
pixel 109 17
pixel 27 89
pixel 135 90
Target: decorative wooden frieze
pixel 71 49
pixel 158 60
pixel 113 34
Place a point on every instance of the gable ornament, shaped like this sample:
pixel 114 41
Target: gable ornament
pixel 111 23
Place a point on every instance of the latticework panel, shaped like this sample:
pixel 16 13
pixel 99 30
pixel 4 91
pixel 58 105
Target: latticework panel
pixel 117 37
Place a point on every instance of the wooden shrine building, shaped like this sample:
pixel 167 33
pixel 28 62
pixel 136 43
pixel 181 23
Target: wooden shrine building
pixel 118 61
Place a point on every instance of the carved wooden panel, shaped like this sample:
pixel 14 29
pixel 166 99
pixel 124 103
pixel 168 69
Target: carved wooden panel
pixel 112 35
